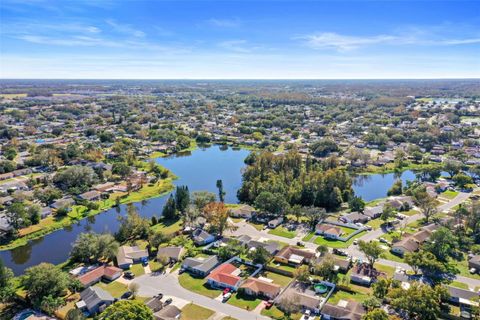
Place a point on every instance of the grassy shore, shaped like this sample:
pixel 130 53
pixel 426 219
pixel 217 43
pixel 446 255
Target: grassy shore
pixel 78 212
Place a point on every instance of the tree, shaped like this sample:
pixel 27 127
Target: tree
pixel 371 303
pixel 324 147
pixel 76 179
pixel 425 202
pixel 270 202
pixel 301 273
pixel 122 169
pixel 44 280
pixel 375 314
pixel 230 250
pixel 75 314
pixel 420 301
pixel 91 247
pixel 289 306
pixel 372 250
pixel 201 198
pixel 47 195
pixel 388 212
pixel 462 180
pixel 326 269
pixel 381 287
pixel 127 310
pixel 182 198
pixel 414 260
pixel 314 215
pixel 396 189
pixel 452 167
pixel 51 303
pixel 217 215
pixel 17 215
pixel 356 204
pixel 156 238
pixel 260 255
pixel 134 287
pixel 442 243
pixel 7 291
pixel 169 211
pixel 221 192
pixel 133 226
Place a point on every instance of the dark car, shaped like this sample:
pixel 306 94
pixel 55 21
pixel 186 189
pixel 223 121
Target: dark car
pixel 168 301
pixel 159 296
pixel 300 244
pixel 126 295
pixel 129 275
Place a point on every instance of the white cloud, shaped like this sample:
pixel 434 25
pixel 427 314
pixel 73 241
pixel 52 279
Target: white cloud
pixel 331 40
pixel 224 23
pixel 125 29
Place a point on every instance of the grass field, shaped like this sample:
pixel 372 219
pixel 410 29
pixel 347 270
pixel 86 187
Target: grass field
pixel 375 223
pixel 308 236
pixel 279 279
pixel 168 226
pixel 115 288
pixel 197 285
pixel 194 312
pixel 449 194
pixel 282 232
pixel 244 301
pixel 336 243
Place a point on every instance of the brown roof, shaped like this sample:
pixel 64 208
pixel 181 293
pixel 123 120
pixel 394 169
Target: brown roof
pixel 408 244
pixel 326 228
pixel 98 273
pixel 289 250
pixel 260 286
pixel 350 310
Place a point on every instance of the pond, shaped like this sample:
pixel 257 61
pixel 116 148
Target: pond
pixel 199 170
pixel 375 186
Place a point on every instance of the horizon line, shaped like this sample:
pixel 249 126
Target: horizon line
pixel 236 79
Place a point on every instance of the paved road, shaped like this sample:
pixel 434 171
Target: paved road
pixel 151 284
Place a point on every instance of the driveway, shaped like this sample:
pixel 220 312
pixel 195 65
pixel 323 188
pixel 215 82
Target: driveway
pixel 150 285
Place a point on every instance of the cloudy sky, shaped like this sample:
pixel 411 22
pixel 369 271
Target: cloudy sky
pixel 135 39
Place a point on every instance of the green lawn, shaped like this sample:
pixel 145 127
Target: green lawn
pixel 137 269
pixel 258 226
pixel 390 256
pixel 375 223
pixel 244 301
pixel 308 236
pixel 279 279
pixel 168 226
pixel 387 269
pixel 277 314
pixel 460 285
pixel 336 243
pixel 449 194
pixel 282 232
pixel 197 285
pixel 344 295
pixel 115 288
pixel 462 266
pixel 194 312
pixel 281 266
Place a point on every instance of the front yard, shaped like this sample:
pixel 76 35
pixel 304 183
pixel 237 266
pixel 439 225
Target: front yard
pixel 115 288
pixel 244 301
pixel 197 285
pixel 320 240
pixel 282 232
pixel 195 312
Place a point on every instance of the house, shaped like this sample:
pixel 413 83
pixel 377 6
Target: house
pixel 169 312
pixel 94 300
pixel 302 295
pixel 260 288
pixel 474 263
pixel 340 265
pixel 45 212
pixel 90 195
pixel 63 203
pixel 411 242
pixel 155 304
pixel 104 187
pixel 373 212
pixel 364 274
pixel 5 224
pixel 173 254
pixel 202 237
pixel 271 247
pixel 108 273
pixel 244 211
pixel 328 231
pixel 200 266
pixel 343 310
pixel 463 297
pixel 293 255
pixel 126 256
pixel 354 217
pixel 225 276
pixel 275 222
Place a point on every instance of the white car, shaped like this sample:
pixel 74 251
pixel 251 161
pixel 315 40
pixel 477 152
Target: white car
pixel 227 296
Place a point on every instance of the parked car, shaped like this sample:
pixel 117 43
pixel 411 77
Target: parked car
pixel 159 296
pixel 268 304
pixel 306 315
pixel 340 252
pixel 145 262
pixel 227 290
pixel 126 295
pixel 300 244
pixel 226 296
pixel 129 275
pixel 168 301
pixel 383 240
pixel 355 242
pixel 181 271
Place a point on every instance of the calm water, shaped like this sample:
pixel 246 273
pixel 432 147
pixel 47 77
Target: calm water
pixel 199 170
pixel 374 186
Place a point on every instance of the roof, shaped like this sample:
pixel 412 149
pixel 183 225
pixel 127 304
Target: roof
pixel 155 304
pixel 260 286
pixel 170 312
pixel 288 251
pixel 90 195
pixel 204 265
pixel 201 235
pixel 326 228
pixel 224 274
pixel 408 244
pixel 301 294
pixel 93 296
pixel 171 252
pixel 350 310
pixel 97 273
pixel 127 254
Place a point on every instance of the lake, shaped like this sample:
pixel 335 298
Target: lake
pixel 199 170
pixel 375 186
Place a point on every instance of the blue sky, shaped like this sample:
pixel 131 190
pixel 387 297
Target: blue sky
pixel 134 39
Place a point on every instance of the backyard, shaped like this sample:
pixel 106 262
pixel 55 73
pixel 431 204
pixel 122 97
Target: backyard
pixel 282 232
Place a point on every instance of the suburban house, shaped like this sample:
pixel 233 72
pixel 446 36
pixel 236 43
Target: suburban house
pixel 275 222
pixel 90 195
pixel 202 237
pixel 63 203
pixel 225 276
pixel 343 310
pixel 244 211
pixel 173 254
pixel 293 255
pixel 200 266
pixel 260 288
pixel 474 263
pixel 364 274
pixel 302 295
pixel 411 242
pixel 463 297
pixel 328 231
pixel 108 273
pixel 94 300
pixel 340 265
pixel 271 247
pixel 354 217
pixel 373 212
pixel 127 256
